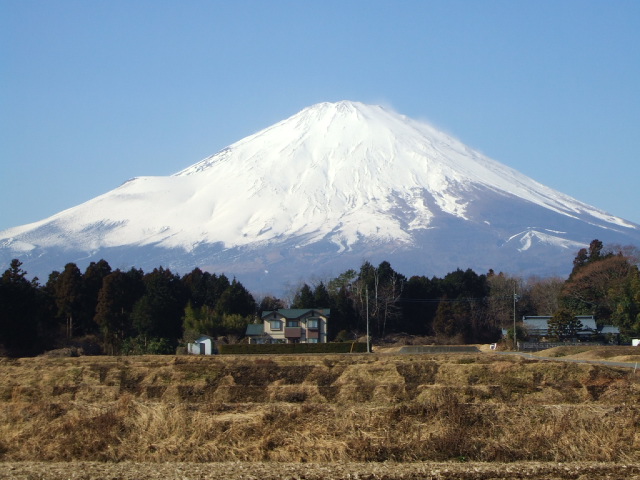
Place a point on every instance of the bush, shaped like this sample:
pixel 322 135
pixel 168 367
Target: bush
pixel 154 346
pixel 344 336
pixel 297 348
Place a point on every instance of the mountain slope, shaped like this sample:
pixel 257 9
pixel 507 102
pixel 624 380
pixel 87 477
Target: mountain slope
pixel 317 193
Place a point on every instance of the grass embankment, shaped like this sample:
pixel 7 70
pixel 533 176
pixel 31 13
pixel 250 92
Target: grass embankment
pixel 608 354
pixel 319 408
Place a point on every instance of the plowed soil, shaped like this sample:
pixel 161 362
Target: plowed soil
pixel 331 471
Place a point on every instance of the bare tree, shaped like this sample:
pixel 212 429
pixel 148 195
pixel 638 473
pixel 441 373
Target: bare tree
pixel 544 294
pixel 501 290
pixel 630 252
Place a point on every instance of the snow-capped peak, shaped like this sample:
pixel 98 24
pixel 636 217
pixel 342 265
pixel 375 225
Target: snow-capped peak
pixel 366 152
pixel 335 173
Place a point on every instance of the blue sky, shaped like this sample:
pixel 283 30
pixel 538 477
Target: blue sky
pixel 93 93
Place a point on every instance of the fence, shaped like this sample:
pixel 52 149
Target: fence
pixel 537 346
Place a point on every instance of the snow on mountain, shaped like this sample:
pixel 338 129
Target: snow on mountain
pixel 532 236
pixel 339 180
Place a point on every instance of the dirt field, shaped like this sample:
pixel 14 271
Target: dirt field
pixel 381 416
pixel 334 471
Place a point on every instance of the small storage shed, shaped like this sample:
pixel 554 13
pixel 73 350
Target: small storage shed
pixel 203 345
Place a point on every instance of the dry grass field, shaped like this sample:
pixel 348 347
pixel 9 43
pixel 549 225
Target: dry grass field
pixel 372 416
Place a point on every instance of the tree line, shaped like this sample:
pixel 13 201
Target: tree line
pixel 156 312
pixel 126 311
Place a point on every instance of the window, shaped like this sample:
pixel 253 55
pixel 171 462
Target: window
pixel 312 340
pixel 312 323
pixel 293 323
pixel 275 324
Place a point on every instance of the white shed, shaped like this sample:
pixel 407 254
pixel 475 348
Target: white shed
pixel 203 345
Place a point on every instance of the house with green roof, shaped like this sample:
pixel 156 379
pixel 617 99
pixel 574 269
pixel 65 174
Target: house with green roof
pixel 290 325
pixel 538 327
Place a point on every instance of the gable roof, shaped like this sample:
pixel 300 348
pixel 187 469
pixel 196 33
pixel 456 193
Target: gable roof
pixel 541 323
pixel 588 322
pixel 610 329
pixel 297 312
pixel 536 323
pixel 255 329
pixel 203 338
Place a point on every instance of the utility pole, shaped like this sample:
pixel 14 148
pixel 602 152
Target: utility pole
pixel 367 302
pixel 515 299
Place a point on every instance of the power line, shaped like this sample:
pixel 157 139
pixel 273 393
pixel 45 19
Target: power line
pixel 452 300
pixel 438 300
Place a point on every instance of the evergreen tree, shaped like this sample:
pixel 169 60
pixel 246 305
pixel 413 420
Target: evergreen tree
pixel 321 297
pixel 452 320
pixel 235 325
pixel 236 299
pixel 344 317
pixel 197 284
pixel 204 288
pixel 625 298
pixel 216 286
pixel 586 257
pixel 268 304
pixel 465 284
pixel 91 284
pixel 119 292
pixel 444 323
pixel 343 314
pixel 22 321
pixel 595 250
pixel 304 298
pixel 467 318
pixel 564 325
pixel 344 280
pixel 68 294
pixel 581 260
pixel 158 313
pixel 201 321
pixel 419 305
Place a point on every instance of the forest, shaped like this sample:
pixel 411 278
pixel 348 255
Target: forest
pixel 105 311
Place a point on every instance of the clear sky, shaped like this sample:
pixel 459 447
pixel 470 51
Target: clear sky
pixel 93 93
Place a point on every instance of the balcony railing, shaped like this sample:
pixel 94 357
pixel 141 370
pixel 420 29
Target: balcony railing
pixel 293 332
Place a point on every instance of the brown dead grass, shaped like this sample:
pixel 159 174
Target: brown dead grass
pixel 609 353
pixel 317 409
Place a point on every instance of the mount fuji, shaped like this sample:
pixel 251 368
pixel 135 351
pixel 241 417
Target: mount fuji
pixel 318 193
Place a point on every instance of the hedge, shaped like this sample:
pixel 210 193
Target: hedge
pixel 297 348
